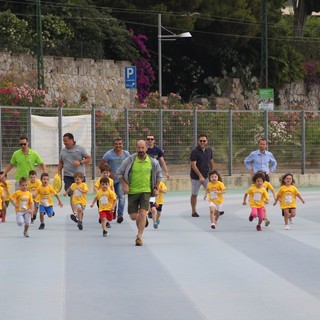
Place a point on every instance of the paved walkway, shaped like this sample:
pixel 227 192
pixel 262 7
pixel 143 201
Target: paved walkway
pixel 185 270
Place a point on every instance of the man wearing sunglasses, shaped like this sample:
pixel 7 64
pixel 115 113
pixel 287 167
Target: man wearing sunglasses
pixel 24 159
pixel 201 158
pixel 156 153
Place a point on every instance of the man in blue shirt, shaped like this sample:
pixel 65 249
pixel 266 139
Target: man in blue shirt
pixel 114 159
pixel 261 160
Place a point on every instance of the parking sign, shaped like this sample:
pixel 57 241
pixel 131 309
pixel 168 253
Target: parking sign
pixel 130 74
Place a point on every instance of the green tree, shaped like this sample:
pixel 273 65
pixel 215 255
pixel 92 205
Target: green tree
pixel 15 33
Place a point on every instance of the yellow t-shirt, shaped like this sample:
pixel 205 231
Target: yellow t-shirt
pixel 106 199
pixel 257 196
pixel 6 190
pixel 266 185
pixel 216 198
pixel 32 187
pixel 79 197
pixel 23 199
pixel 161 189
pixel 1 197
pixel 97 184
pixel 288 196
pixel 44 195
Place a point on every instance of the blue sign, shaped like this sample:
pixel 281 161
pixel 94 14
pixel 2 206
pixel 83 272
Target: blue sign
pixel 130 74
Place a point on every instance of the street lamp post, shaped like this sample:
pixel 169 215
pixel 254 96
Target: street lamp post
pixel 171 37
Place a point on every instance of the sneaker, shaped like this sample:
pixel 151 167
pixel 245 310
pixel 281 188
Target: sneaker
pixel 120 219
pixel 155 225
pixel 250 217
pixel 80 226
pixel 34 217
pixel 291 220
pixel 41 227
pixel 259 227
pixel 74 218
pixel 266 222
pixel 105 233
pixel 195 214
pixel 147 223
pixel 286 227
pixel 139 242
pixel 99 221
pixel 108 224
pixel 114 215
pixel 213 226
pixel 150 215
pixel 221 213
pixel 32 220
pixel 158 221
pixel 26 234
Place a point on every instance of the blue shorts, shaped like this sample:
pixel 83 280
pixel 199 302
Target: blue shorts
pixel 46 210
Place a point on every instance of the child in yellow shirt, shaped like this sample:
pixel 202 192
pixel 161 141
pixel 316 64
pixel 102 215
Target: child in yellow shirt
pixel 107 202
pixel 6 192
pixel 44 194
pixel 214 194
pixel 287 195
pixel 33 184
pixel 258 196
pixel 156 204
pixel 22 200
pixel 79 197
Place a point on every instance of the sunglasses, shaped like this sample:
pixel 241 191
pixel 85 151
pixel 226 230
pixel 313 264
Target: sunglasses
pixel 203 140
pixel 151 139
pixel 23 144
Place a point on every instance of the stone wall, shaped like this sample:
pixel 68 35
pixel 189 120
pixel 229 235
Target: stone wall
pixel 66 78
pixel 103 80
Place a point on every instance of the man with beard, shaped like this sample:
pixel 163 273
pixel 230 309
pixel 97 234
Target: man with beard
pixel 140 176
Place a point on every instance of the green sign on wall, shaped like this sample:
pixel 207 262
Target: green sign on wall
pixel 266 99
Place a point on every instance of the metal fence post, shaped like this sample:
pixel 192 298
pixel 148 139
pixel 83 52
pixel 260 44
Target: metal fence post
pixel 60 129
pixel 230 164
pixel 195 127
pixel 303 142
pixel 93 142
pixel 127 128
pixel 29 126
pixel 1 146
pixel 266 120
pixel 161 129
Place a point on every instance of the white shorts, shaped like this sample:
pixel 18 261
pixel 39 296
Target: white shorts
pixel 217 206
pixel 80 206
pixel 23 217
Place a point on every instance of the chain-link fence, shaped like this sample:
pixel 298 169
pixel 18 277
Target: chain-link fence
pixel 293 135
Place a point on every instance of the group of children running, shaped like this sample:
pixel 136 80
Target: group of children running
pixel 258 198
pixel 36 195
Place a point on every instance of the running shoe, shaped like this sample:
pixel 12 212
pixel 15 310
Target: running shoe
pixel 139 242
pixel 213 226
pixel 120 219
pixel 155 225
pixel 286 227
pixel 74 218
pixel 259 228
pixel 266 222
pixel 250 217
pixel 108 224
pixel 26 234
pixel 41 227
pixel 104 233
pixel 195 214
pixel 80 226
